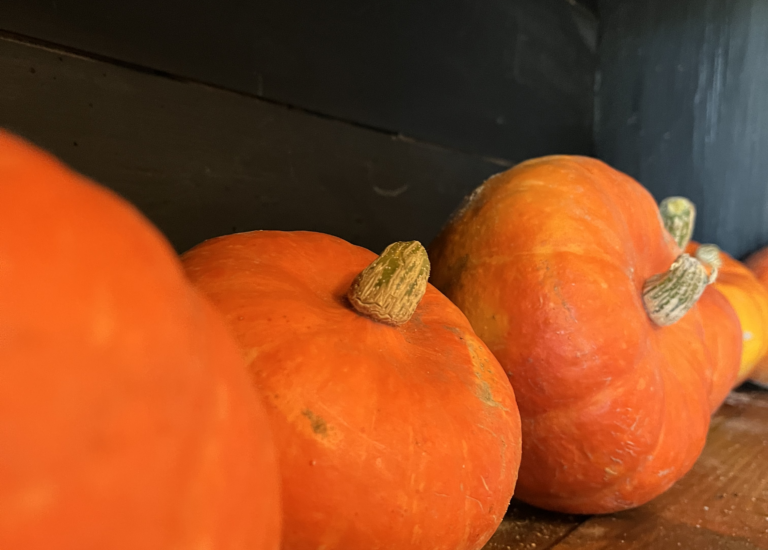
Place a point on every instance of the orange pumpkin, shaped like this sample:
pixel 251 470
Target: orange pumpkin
pixel 723 337
pixel 560 264
pixel 126 416
pixel 392 431
pixel 732 283
pixel 749 298
pixel 757 263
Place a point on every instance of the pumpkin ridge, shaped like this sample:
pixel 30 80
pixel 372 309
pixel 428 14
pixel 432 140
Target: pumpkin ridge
pixel 628 187
pixel 498 183
pixel 608 197
pixel 643 467
pixel 593 399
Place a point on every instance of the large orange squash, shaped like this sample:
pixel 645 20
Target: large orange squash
pixel 757 263
pixel 559 264
pixel 393 431
pixel 127 419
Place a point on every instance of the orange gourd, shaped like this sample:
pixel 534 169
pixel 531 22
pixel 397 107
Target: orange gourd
pixel 749 299
pixel 757 263
pixel 127 419
pixel 723 337
pixel 732 284
pixel 564 269
pixel 392 431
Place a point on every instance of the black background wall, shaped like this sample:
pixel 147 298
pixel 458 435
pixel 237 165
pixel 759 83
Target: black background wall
pixel 370 120
pixel 682 105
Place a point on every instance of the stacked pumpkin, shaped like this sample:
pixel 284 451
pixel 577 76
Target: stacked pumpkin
pixel 392 420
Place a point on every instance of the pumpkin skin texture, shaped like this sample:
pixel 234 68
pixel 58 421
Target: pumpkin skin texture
pixel 127 419
pixel 402 437
pixel 749 298
pixel 723 337
pixel 757 263
pixel 548 262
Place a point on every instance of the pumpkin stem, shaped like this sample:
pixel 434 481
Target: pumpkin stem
pixel 678 215
pixel 668 296
pixel 709 254
pixel 390 289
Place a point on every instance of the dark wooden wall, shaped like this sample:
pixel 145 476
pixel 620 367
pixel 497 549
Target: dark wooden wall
pixel 202 162
pixel 682 105
pixel 369 120
pixel 465 74
pixel 390 111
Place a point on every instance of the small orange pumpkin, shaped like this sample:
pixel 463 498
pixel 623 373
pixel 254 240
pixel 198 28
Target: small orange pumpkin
pixel 747 296
pixel 749 299
pixel 564 269
pixel 757 263
pixel 393 431
pixel 126 417
pixel 723 336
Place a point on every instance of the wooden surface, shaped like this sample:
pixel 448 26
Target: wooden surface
pixel 504 78
pixel 721 504
pixel 202 162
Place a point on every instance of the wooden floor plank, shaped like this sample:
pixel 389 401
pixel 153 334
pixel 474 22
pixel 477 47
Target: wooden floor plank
pixel 525 527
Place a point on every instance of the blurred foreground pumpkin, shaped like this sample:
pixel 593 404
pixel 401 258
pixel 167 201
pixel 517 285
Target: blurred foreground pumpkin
pixel 126 417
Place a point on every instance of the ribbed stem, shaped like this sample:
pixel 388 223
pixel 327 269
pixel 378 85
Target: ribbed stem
pixel 679 216
pixel 709 254
pixel 390 289
pixel 668 296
